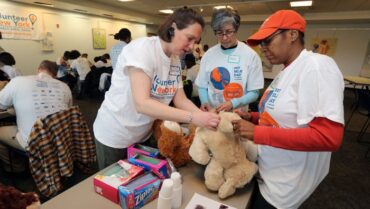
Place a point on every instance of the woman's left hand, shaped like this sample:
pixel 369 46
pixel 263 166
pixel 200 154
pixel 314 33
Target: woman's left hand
pixel 243 128
pixel 227 106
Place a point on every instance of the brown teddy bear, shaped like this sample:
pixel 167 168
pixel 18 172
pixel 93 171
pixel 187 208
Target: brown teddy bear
pixel 228 167
pixel 172 142
pixel 11 198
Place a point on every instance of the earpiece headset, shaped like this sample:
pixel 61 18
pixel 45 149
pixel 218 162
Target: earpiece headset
pixel 171 31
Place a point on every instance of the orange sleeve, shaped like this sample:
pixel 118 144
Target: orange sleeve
pixel 321 134
pixel 254 117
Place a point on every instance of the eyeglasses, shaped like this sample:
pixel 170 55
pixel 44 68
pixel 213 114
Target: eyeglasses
pixel 268 40
pixel 227 33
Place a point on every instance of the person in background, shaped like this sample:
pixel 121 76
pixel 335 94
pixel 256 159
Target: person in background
pixel 64 70
pixel 7 63
pixel 32 97
pixel 86 56
pixel 80 67
pixel 191 74
pixel 147 77
pixel 106 57
pixel 63 65
pixel 99 62
pixel 230 72
pixel 198 51
pixel 124 37
pixel 205 48
pixel 300 119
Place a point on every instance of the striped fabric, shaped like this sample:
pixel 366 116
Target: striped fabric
pixel 55 142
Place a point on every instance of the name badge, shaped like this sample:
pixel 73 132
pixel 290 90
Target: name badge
pixel 234 59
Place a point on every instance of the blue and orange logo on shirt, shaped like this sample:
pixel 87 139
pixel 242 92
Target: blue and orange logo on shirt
pixel 265 118
pixel 220 77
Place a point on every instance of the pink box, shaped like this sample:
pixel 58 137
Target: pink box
pixel 107 182
pixel 157 166
pixel 141 149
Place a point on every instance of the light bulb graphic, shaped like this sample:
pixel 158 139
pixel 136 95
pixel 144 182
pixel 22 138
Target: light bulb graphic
pixel 33 19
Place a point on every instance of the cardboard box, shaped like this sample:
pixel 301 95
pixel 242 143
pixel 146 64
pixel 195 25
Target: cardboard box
pixel 157 166
pixel 141 149
pixel 139 192
pixel 107 183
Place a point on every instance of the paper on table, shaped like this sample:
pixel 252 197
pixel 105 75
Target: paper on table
pixel 201 202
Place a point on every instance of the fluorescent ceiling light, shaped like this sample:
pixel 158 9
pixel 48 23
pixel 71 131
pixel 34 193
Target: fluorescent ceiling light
pixel 126 0
pixel 166 11
pixel 301 3
pixel 222 7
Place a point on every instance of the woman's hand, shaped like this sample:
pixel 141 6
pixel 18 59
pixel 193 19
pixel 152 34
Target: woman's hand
pixel 227 106
pixel 206 107
pixel 243 114
pixel 243 128
pixel 206 119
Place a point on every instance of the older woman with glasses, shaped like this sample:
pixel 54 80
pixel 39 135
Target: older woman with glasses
pixel 300 119
pixel 230 72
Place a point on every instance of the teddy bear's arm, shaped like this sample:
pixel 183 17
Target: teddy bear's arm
pixel 199 151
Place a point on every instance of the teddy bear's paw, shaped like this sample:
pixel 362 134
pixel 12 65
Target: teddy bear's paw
pixel 226 190
pixel 213 183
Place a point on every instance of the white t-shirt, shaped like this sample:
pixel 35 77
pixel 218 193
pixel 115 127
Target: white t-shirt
pixel 312 86
pixel 227 74
pixel 11 71
pixel 118 124
pixel 82 66
pixel 34 97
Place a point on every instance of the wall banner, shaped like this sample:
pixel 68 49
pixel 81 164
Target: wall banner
pixel 21 24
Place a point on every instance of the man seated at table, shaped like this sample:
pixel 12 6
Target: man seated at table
pixel 32 97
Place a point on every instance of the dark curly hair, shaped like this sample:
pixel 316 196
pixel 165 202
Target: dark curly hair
pixel 182 18
pixel 7 59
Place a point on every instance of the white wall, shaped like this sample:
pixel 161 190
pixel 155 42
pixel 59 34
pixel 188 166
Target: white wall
pixel 74 32
pixel 352 42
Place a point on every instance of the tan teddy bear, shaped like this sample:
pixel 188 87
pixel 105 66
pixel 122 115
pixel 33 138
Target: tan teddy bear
pixel 228 167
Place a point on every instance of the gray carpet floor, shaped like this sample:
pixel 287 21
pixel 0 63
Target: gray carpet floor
pixel 346 187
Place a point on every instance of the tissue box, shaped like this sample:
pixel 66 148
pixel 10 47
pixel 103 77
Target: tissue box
pixel 107 183
pixel 141 149
pixel 157 166
pixel 140 191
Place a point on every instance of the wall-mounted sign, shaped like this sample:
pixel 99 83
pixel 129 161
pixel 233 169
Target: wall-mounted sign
pixel 21 24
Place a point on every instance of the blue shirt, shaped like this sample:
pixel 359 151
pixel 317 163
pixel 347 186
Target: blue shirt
pixel 115 51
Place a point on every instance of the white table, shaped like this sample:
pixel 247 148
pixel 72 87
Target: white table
pixel 357 80
pixel 83 196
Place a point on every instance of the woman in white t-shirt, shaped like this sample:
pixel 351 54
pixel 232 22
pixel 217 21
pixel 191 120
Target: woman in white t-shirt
pixel 230 72
pixel 7 63
pixel 300 119
pixel 147 77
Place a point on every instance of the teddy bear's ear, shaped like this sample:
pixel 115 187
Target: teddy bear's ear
pixel 225 124
pixel 173 126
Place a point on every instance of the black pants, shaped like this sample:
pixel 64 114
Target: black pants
pixel 258 202
pixel 108 155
